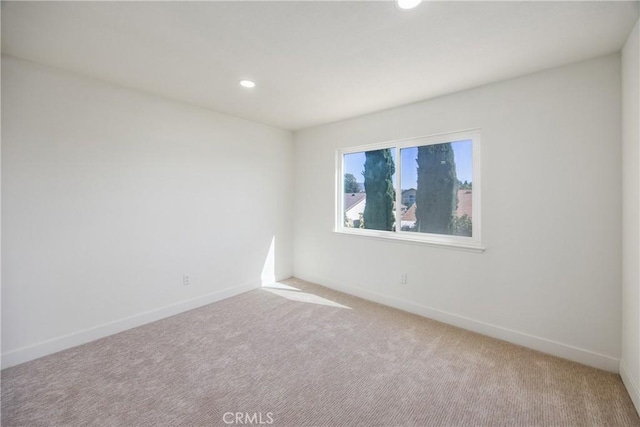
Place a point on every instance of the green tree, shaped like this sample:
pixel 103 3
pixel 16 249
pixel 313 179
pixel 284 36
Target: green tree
pixel 378 186
pixel 350 184
pixel 437 193
pixel 462 226
pixel 466 185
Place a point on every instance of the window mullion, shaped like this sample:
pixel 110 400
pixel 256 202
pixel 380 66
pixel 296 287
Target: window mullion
pixel 398 207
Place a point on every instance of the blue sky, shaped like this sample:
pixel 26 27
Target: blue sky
pixel 462 151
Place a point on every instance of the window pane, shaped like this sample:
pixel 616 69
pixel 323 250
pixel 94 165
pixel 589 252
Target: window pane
pixel 369 192
pixel 437 188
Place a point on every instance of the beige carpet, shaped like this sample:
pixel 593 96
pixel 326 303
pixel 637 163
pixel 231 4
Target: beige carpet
pixel 309 356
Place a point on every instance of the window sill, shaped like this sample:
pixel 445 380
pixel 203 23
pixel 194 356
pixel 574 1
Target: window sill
pixel 434 241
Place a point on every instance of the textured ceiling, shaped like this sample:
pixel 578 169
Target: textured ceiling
pixel 313 62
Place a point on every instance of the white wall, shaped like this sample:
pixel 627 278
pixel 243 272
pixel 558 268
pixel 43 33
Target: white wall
pixel 630 364
pixel 109 196
pixel 550 277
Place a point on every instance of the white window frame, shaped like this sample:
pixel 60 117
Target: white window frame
pixel 473 243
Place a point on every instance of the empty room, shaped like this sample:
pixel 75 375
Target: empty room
pixel 320 213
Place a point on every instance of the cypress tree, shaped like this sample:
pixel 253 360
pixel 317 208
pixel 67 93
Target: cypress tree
pixel 378 186
pixel 437 193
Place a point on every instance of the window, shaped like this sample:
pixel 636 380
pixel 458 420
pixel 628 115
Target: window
pixel 422 190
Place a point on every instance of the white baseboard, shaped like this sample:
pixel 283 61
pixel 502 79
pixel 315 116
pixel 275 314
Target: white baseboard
pixel 631 385
pixel 34 351
pixel 544 345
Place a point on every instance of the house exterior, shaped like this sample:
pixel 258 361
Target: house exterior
pixel 409 197
pixel 465 207
pixel 354 204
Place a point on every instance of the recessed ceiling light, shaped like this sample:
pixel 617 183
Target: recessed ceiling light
pixel 408 4
pixel 247 83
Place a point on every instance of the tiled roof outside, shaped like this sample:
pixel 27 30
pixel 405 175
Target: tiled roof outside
pixel 465 206
pixel 350 199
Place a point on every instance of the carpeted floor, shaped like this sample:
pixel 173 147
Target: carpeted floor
pixel 306 355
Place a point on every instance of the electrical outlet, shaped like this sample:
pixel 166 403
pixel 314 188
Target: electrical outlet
pixel 403 278
pixel 185 280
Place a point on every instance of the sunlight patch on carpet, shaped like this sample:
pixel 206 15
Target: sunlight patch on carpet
pixel 304 297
